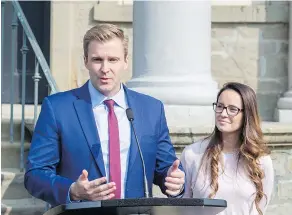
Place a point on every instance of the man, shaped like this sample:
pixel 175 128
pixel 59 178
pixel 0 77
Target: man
pixel 83 147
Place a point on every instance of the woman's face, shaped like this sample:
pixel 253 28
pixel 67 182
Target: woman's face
pixel 230 120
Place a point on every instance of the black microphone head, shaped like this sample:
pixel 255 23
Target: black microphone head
pixel 130 115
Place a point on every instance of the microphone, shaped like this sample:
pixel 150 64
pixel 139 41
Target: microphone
pixel 130 117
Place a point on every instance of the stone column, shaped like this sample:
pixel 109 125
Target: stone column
pixel 284 106
pixel 172 58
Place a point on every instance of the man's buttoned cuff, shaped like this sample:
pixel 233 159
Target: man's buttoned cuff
pixel 181 193
pixel 68 200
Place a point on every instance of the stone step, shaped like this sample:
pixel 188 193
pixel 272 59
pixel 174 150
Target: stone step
pixel 10 154
pixel 5 122
pixel 5 130
pixel 12 184
pixel 17 111
pixel 27 206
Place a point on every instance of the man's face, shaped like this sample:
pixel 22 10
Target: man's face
pixel 106 63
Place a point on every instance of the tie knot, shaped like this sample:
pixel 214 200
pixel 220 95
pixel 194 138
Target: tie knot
pixel 110 104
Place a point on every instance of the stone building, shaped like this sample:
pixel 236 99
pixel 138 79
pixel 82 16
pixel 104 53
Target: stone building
pixel 183 54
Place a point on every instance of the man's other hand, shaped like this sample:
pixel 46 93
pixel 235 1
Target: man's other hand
pixel 98 189
pixel 175 179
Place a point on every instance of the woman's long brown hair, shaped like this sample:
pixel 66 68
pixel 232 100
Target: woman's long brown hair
pixel 252 145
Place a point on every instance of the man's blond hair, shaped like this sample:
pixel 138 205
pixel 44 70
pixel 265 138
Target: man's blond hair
pixel 103 33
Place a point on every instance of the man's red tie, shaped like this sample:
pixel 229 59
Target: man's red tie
pixel 114 148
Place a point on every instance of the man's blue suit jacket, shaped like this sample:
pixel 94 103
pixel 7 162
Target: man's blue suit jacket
pixel 66 141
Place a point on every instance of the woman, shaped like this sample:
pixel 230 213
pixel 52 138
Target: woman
pixel 234 162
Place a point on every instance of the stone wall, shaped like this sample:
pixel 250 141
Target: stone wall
pixel 249 44
pixel 282 195
pixel 70 21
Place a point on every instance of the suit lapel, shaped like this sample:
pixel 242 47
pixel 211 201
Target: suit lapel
pixel 84 112
pixel 137 112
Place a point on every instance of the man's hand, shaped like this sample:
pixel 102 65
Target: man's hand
pixel 175 179
pixel 94 190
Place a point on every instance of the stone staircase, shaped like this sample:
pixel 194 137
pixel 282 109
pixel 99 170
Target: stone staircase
pixel 15 200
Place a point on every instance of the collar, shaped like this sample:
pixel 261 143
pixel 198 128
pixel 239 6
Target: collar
pixel 97 98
